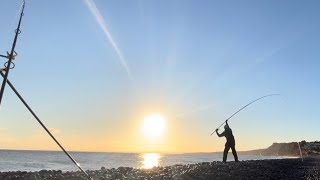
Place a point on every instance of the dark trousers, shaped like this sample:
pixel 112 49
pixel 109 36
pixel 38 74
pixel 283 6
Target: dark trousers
pixel 226 150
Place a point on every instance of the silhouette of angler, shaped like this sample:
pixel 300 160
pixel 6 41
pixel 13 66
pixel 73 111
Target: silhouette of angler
pixel 230 142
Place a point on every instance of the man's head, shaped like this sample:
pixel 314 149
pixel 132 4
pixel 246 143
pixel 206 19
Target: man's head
pixel 226 127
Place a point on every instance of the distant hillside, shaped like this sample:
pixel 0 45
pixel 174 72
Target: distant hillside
pixel 288 149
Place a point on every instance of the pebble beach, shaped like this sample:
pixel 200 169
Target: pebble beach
pixel 309 168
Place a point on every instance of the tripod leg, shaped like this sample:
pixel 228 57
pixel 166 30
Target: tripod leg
pixel 44 127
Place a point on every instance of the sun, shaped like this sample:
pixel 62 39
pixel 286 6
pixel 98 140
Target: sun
pixel 153 126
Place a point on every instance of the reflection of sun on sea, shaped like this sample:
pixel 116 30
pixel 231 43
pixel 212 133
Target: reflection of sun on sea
pixel 150 160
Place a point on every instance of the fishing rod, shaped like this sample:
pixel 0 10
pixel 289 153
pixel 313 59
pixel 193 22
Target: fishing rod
pixel 12 54
pixel 5 72
pixel 245 107
pixel 44 127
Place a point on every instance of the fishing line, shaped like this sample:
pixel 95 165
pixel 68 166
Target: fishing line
pixel 245 107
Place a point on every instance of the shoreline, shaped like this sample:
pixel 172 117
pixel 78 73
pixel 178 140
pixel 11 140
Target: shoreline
pixel 293 168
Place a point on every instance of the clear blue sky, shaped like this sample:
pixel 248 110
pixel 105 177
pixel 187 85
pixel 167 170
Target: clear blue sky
pixel 197 62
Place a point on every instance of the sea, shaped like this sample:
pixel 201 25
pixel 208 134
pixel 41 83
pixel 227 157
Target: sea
pixel 29 160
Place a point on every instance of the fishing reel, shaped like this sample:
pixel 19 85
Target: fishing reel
pixel 9 56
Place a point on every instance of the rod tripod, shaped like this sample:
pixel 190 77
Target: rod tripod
pixel 5 72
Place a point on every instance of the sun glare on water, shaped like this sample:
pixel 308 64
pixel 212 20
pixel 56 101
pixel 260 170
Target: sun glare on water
pixel 150 160
pixel 153 126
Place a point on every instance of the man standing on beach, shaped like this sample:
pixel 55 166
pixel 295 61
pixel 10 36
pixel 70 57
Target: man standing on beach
pixel 230 142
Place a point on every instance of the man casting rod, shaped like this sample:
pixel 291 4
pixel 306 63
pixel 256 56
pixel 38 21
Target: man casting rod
pixel 245 107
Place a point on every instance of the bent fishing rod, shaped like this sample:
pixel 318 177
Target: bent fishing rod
pixel 40 122
pixel 245 107
pixel 12 54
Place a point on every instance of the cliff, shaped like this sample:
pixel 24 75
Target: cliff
pixel 282 149
pixel 288 149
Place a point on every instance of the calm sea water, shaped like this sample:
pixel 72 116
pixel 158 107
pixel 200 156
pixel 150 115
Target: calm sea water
pixel 12 160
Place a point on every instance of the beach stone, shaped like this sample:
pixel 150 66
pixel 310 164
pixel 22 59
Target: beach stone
pixel 103 169
pixel 34 176
pixel 8 178
pixel 259 169
pixel 43 171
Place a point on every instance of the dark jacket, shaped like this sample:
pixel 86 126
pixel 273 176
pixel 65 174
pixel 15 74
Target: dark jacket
pixel 229 136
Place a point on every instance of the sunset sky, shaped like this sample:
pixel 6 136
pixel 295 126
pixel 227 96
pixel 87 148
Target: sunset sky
pixel 93 70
